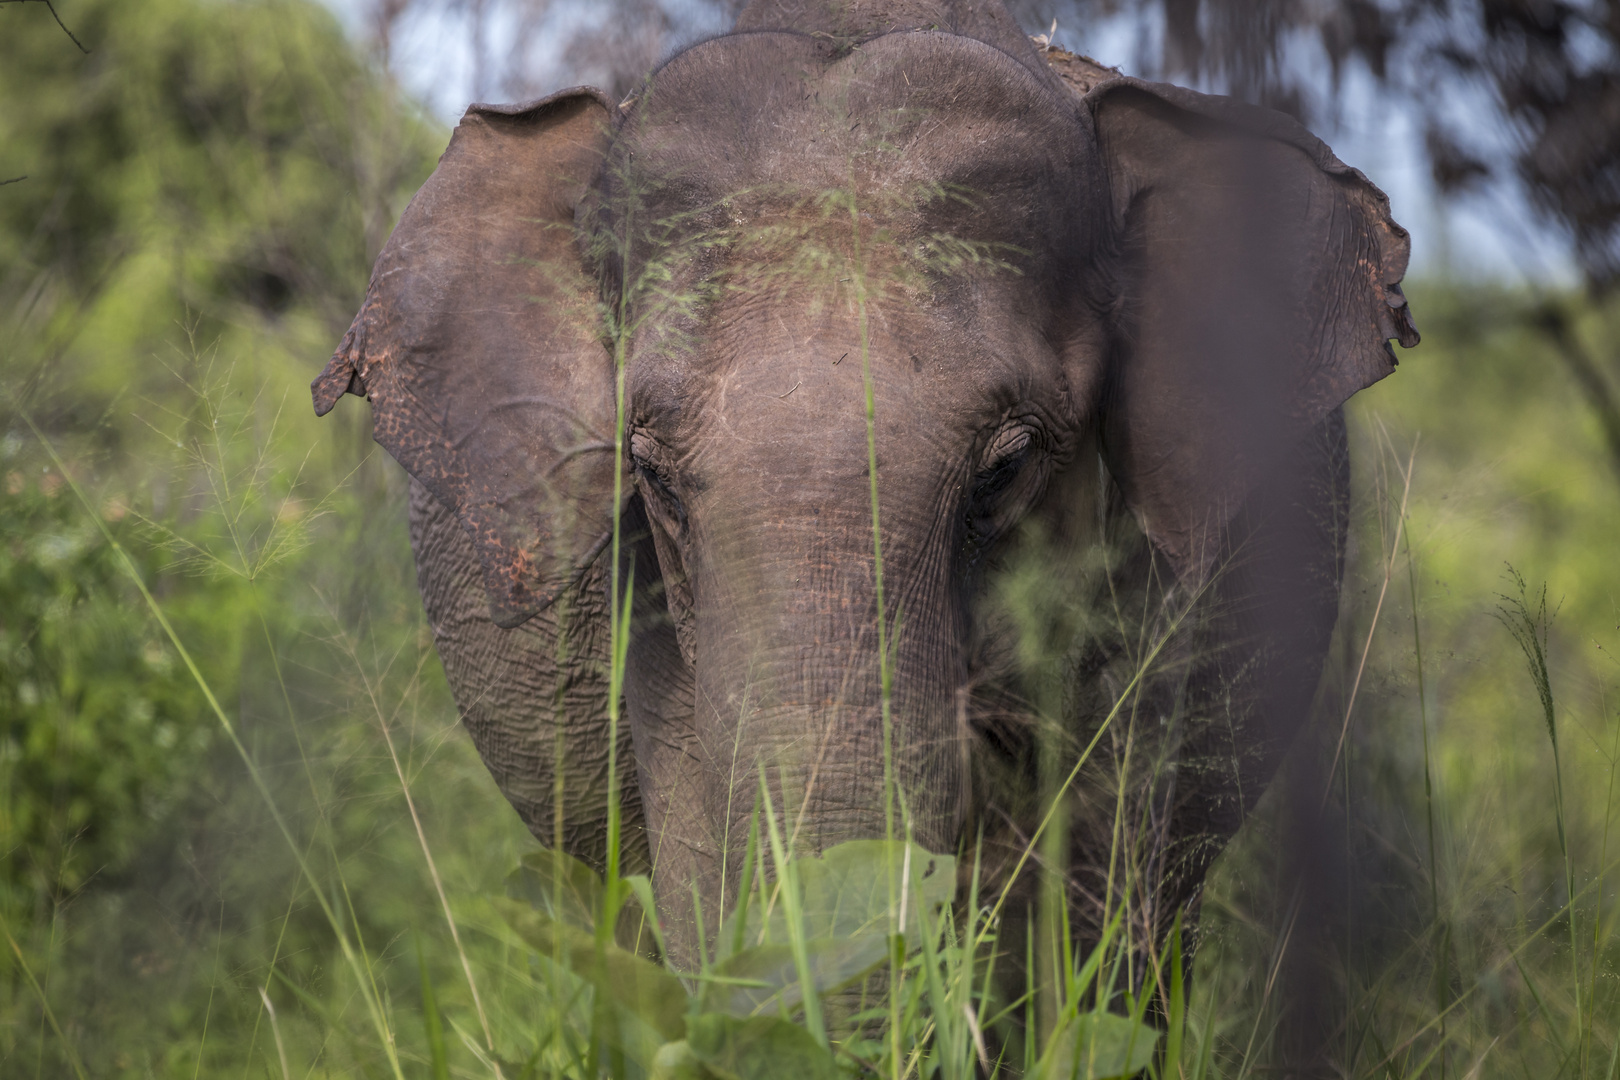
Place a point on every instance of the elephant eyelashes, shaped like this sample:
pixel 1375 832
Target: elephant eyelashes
pixel 1008 454
pixel 989 512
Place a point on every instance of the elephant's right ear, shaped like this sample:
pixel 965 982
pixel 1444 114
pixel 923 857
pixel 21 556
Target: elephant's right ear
pixel 480 347
pixel 1256 285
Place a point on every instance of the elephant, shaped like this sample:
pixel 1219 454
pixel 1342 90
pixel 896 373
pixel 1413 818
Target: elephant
pixel 938 405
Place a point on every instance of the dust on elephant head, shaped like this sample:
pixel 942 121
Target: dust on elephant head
pixel 956 409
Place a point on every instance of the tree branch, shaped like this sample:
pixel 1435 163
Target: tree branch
pixel 52 8
pixel 14 179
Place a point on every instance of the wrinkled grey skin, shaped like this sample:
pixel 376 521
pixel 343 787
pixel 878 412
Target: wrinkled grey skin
pixel 1107 325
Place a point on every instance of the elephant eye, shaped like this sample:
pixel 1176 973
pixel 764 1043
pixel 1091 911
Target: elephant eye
pixel 990 511
pixel 654 476
pixel 1007 455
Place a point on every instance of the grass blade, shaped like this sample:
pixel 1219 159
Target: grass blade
pixel 433 1027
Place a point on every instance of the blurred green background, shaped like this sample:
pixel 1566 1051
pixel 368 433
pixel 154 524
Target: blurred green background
pixel 205 191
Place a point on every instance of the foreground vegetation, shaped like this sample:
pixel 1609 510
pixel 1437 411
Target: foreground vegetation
pixel 240 830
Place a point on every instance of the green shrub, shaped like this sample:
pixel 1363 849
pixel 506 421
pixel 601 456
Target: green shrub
pixel 99 726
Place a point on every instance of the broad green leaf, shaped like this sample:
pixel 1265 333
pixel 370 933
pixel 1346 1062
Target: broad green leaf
pixel 759 1048
pixel 639 987
pixel 765 976
pixel 559 885
pixel 1098 1046
pixel 675 1061
pixel 846 892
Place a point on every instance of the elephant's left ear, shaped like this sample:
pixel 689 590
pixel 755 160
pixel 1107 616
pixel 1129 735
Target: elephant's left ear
pixel 1256 286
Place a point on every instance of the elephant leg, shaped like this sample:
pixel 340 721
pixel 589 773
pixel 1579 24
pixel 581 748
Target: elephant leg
pixel 1198 741
pixel 1188 747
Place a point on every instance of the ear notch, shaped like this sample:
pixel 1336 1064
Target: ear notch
pixel 479 347
pixel 1257 285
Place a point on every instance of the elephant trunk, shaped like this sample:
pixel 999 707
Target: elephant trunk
pixel 791 684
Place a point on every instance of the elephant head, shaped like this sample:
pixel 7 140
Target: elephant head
pixel 842 318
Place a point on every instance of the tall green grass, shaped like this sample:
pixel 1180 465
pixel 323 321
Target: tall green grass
pixel 1475 936
pixel 243 834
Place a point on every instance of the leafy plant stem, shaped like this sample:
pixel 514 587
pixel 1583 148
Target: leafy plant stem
pixel 1441 931
pixel 432 1026
pixel 213 985
pixel 1271 981
pixel 1372 626
pixel 433 870
pixel 1085 755
pixel 885 672
pixel 1116 844
pixel 1531 630
pixel 1512 957
pixel 793 916
pixel 44 1003
pixel 275 1030
pixel 1597 921
pixel 618 639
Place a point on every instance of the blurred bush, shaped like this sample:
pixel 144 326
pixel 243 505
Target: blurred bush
pixel 207 173
pixel 205 192
pixel 99 726
pixel 1432 919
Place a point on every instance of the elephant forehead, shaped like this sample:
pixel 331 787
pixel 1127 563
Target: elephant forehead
pixel 922 125
pixel 786 386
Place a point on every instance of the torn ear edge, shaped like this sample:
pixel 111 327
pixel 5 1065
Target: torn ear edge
pixel 342 374
pixel 373 361
pixel 340 377
pixel 1329 349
